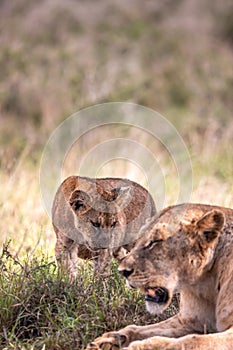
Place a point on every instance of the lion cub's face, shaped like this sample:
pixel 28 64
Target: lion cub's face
pixel 168 257
pixel 99 216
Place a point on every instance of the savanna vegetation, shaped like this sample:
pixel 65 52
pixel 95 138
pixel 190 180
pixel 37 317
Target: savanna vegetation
pixel 56 58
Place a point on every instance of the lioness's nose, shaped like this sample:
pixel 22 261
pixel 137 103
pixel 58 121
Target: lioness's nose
pixel 125 273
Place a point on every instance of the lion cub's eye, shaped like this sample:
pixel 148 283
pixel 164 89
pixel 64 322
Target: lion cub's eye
pixel 78 205
pixel 95 224
pixel 152 244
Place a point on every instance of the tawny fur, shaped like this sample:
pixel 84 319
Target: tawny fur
pixel 97 219
pixel 188 249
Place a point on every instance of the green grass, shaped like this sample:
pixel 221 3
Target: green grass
pixel 39 310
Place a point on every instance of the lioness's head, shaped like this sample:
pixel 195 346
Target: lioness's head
pixel 99 215
pixel 169 256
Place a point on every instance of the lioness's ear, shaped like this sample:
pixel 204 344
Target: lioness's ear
pixel 78 200
pixel 122 195
pixel 211 224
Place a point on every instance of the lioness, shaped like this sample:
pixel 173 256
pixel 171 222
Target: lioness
pixel 186 248
pixel 98 219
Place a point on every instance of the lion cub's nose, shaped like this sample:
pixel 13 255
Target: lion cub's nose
pixel 125 273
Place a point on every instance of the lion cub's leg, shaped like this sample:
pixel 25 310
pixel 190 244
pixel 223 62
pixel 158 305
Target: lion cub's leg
pixel 103 259
pixel 102 262
pixel 66 251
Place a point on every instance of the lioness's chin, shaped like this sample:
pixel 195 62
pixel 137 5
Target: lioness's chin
pixel 154 309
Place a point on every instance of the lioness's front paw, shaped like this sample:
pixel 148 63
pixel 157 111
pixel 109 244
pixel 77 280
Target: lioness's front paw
pixel 108 341
pixel 139 345
pixel 158 343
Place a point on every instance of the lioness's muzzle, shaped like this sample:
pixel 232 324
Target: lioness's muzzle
pixel 160 296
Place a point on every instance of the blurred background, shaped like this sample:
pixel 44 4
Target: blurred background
pixel 57 57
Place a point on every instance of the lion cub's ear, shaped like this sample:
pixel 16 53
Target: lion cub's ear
pixel 211 224
pixel 78 200
pixel 122 195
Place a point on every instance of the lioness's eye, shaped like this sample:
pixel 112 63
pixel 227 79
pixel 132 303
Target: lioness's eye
pixel 152 244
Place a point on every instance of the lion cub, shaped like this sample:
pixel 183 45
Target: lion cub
pixel 97 219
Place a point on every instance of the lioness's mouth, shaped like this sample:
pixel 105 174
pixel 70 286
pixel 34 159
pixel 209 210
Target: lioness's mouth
pixel 158 295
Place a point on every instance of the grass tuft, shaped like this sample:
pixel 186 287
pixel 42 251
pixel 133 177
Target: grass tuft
pixel 40 309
